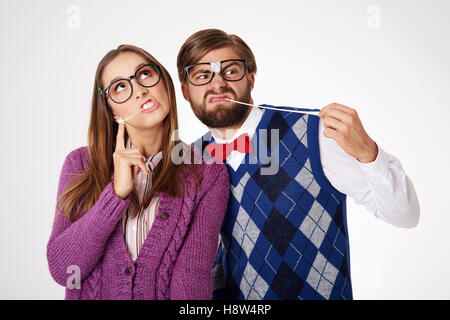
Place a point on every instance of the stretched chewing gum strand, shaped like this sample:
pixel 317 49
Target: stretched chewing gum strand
pixel 313 112
pixel 122 120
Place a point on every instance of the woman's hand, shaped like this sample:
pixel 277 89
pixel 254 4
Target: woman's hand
pixel 127 163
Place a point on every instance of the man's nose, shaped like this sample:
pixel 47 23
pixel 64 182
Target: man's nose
pixel 217 81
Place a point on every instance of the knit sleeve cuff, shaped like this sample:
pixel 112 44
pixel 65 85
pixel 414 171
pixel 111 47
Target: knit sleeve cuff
pixel 110 204
pixel 378 167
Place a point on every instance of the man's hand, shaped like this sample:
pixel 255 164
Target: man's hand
pixel 342 124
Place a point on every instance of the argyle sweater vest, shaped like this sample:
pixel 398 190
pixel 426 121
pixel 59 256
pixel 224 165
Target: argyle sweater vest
pixel 285 233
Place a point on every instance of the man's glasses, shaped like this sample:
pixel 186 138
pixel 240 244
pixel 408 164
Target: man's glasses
pixel 202 73
pixel 120 90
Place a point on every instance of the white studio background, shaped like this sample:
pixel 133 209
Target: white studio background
pixel 387 59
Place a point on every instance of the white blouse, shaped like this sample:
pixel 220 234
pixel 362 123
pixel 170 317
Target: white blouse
pixel 135 229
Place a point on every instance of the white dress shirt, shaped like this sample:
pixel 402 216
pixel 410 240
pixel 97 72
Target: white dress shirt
pixel 381 186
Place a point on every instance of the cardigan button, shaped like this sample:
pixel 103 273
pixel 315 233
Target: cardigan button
pixel 128 271
pixel 163 215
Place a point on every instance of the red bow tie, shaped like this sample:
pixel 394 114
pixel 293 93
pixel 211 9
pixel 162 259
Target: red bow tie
pixel 221 151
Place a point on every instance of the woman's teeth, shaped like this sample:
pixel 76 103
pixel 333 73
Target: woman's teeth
pixel 148 105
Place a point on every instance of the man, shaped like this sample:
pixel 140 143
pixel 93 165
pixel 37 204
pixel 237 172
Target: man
pixel 285 232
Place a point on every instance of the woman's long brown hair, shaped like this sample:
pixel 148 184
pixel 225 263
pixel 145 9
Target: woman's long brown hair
pixel 86 186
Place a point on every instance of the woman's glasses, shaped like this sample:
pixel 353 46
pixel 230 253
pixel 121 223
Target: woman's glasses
pixel 120 90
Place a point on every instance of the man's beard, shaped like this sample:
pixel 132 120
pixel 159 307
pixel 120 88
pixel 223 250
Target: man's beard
pixel 222 116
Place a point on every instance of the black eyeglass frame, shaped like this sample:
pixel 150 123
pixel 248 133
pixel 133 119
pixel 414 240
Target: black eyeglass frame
pixel 186 69
pixel 106 91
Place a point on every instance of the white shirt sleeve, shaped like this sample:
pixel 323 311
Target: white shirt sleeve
pixel 381 186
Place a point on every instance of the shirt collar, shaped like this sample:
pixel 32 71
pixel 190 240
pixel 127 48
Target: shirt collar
pixel 249 125
pixel 152 160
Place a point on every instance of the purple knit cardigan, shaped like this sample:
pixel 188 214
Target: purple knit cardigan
pixel 175 260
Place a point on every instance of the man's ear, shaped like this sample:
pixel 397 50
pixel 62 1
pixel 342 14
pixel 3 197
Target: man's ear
pixel 185 90
pixel 251 79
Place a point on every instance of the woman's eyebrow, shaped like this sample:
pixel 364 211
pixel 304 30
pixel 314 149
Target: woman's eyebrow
pixel 140 65
pixel 119 77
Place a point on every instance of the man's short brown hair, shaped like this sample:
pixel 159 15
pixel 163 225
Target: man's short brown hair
pixel 203 41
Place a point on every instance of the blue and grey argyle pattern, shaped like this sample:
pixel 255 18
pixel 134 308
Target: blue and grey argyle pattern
pixel 284 235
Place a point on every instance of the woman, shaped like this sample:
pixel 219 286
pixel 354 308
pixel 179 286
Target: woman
pixel 135 224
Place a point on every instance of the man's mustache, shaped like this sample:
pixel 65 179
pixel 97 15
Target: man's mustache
pixel 214 92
